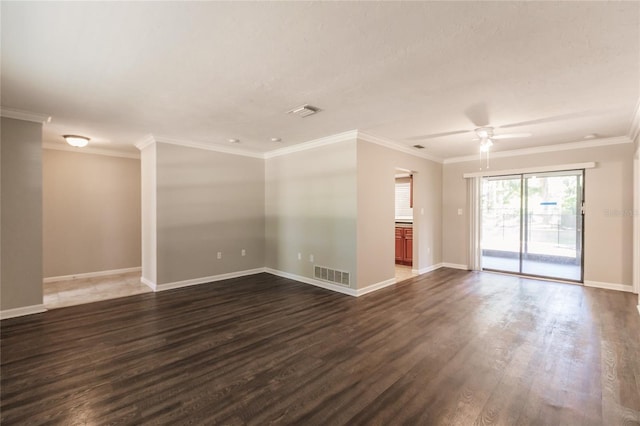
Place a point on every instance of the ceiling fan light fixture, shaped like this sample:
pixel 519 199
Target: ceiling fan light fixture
pixel 77 141
pixel 484 132
pixel 485 145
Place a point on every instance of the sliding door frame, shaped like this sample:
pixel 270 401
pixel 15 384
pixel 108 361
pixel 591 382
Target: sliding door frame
pixel 524 211
pixel 474 197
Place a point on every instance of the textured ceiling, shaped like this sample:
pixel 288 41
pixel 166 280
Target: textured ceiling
pixel 207 72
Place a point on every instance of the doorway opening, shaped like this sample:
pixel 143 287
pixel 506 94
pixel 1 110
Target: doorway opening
pixel 532 224
pixel 404 225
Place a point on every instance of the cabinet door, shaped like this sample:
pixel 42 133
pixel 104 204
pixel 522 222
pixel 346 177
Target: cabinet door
pixel 399 245
pixel 408 247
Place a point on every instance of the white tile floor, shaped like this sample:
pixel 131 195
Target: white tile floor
pixel 404 273
pixel 86 290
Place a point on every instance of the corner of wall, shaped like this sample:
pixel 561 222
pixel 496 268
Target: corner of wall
pixel 148 191
pixel 21 214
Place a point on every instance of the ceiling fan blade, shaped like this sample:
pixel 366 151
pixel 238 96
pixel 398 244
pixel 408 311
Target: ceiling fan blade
pixel 551 119
pixel 478 114
pixel 438 135
pixel 511 136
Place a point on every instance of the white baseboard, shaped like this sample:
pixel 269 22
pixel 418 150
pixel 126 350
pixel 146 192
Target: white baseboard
pixel 203 280
pixel 376 286
pixel 429 268
pixel 609 286
pixel 148 283
pixel 25 310
pixel 91 274
pixel 455 266
pixel 328 286
pixel 317 283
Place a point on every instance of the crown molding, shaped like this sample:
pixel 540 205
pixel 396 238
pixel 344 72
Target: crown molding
pixel 634 129
pixel 145 142
pixel 315 143
pixel 25 115
pixel 90 150
pixel 349 135
pixel 542 149
pixel 388 143
pixel 204 146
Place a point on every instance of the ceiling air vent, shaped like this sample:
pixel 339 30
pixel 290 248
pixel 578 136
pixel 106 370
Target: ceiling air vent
pixel 304 111
pixel 418 146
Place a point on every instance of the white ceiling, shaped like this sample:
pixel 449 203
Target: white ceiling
pixel 207 72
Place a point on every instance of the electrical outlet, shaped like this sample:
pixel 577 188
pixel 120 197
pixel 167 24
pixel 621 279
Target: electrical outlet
pixel 219 255
pixel 310 258
pixel 299 256
pixel 459 212
pixel 244 252
pixel 428 250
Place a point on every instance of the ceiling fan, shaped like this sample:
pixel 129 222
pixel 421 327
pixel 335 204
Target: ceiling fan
pixel 484 133
pixel 486 137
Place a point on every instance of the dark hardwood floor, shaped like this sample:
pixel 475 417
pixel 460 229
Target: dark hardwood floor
pixel 448 347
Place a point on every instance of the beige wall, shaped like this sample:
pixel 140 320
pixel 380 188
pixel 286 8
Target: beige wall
pixel 148 210
pixel 377 167
pixel 91 213
pixel 21 214
pixel 207 202
pixel 608 194
pixel 311 208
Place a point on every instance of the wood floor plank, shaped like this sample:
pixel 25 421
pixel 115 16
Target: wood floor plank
pixel 447 347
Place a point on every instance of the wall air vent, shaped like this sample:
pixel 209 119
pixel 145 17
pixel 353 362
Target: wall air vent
pixel 331 275
pixel 304 110
pixel 418 146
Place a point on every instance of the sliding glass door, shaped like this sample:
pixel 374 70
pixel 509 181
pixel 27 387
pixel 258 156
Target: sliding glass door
pixel 532 224
pixel 501 220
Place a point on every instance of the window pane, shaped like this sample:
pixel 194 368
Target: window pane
pixel 403 200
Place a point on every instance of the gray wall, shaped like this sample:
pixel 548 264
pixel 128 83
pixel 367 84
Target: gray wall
pixel 21 213
pixel 207 202
pixel 608 189
pixel 91 213
pixel 311 208
pixel 377 167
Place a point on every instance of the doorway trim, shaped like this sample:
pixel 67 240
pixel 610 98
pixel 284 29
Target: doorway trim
pixel 636 224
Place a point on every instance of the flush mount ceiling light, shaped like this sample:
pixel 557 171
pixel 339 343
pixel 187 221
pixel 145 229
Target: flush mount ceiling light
pixel 77 141
pixel 304 110
pixel 276 140
pixel 234 140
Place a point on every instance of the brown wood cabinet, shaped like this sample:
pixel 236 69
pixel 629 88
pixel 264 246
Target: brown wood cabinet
pixel 404 246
